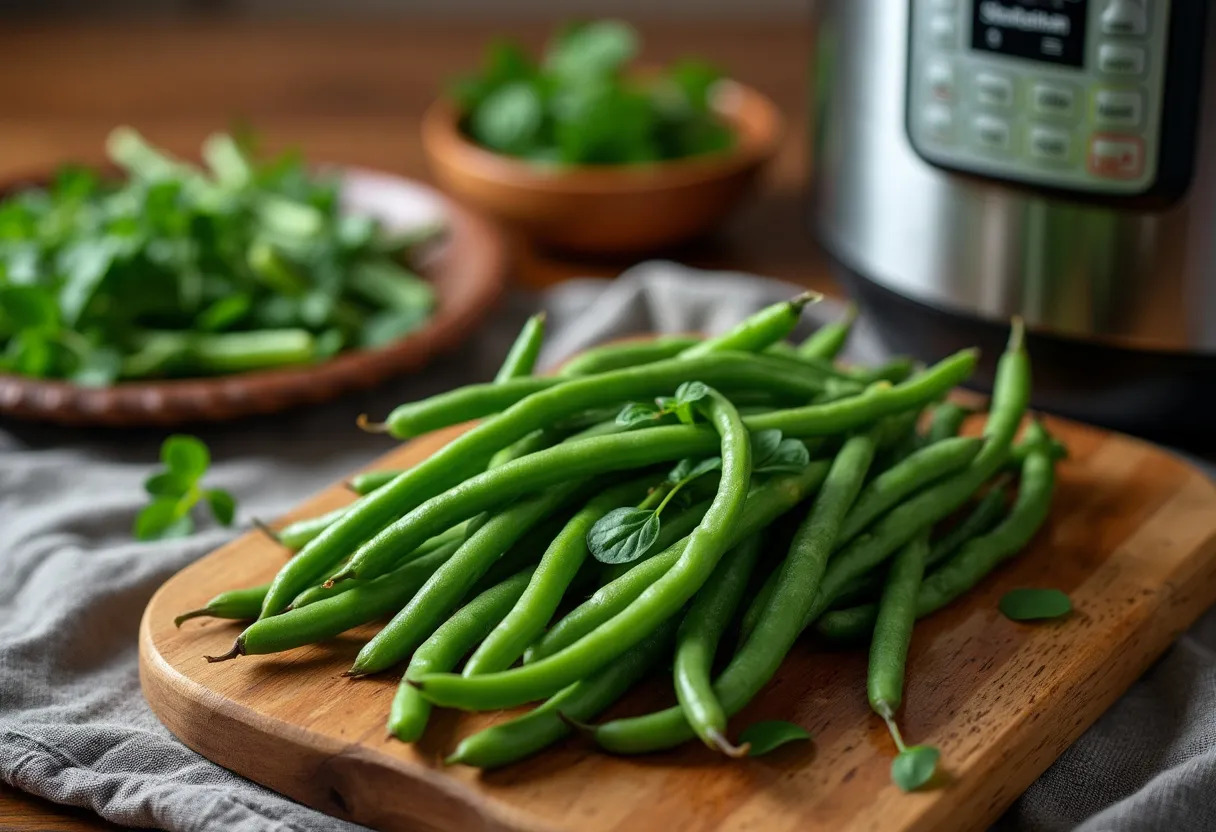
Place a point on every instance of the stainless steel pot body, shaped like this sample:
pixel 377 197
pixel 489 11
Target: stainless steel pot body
pixel 1136 276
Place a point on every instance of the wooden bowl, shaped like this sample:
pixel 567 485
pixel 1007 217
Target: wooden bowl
pixel 467 269
pixel 608 209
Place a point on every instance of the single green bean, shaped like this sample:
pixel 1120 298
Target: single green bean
pixel 758 331
pixel 235 604
pixel 766 502
pixel 443 650
pixel 560 563
pixel 295 535
pixel 827 341
pixel 659 602
pixel 521 358
pixel 946 421
pixel 333 616
pixel 629 354
pixel 970 564
pixel 915 471
pixel 893 628
pixel 761 654
pixel 442 592
pixel 443 550
pixel 711 611
pixel 582 701
pixel 732 371
pixel 986 514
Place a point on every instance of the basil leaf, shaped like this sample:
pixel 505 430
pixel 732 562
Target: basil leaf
pixel 790 456
pixel 592 49
pixel 509 119
pixel 163 518
pixel 185 456
pixel 634 414
pixel 623 535
pixel 1035 604
pixel 691 391
pixel 763 737
pixel 223 505
pixel 764 445
pixel 914 766
pixel 690 469
pixel 168 484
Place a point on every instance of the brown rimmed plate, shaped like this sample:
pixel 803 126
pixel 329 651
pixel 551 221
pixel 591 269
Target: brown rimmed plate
pixel 467 268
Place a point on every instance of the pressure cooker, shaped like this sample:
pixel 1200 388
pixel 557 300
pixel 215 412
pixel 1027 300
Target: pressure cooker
pixel 976 160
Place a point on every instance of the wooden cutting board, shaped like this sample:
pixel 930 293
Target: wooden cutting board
pixel 1132 539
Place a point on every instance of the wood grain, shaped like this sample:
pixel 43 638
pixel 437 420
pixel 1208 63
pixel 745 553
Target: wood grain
pixel 1132 539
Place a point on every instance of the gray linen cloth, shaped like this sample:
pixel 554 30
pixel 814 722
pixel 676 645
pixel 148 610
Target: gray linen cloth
pixel 74 727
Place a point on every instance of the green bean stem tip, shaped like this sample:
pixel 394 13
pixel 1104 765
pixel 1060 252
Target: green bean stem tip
pixel 720 743
pixel 368 426
pixel 186 616
pixel 238 649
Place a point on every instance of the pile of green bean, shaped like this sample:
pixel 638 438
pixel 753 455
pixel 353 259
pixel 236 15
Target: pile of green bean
pixel 579 536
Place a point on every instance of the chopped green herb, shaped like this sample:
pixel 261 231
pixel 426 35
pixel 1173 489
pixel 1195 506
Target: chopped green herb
pixel 176 490
pixel 580 105
pixel 763 737
pixel 1035 604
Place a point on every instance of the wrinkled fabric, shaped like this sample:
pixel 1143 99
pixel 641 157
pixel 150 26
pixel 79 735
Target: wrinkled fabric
pixel 74 727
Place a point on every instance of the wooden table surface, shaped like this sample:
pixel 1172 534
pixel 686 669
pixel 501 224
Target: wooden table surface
pixel 353 92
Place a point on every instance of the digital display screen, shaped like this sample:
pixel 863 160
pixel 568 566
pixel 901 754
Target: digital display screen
pixel 1040 30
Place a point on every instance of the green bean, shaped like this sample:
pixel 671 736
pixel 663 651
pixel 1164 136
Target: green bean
pixel 368 481
pixel 335 615
pixel 697 640
pixel 827 341
pixel 915 471
pixel 452 580
pixel 877 401
pixel 221 352
pixel 465 454
pixel 758 331
pixel 629 354
pixel 562 560
pixel 947 421
pixel 893 628
pixel 762 652
pixel 581 701
pixel 235 604
pixel 445 545
pixel 986 514
pixel 669 593
pixel 295 535
pixel 972 562
pixel 732 371
pixel 766 502
pixel 894 371
pixel 444 649
pixel 521 358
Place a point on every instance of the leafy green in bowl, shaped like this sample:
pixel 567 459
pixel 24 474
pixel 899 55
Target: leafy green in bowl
pixel 175 270
pixel 580 104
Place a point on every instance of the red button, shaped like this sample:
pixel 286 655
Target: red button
pixel 1116 157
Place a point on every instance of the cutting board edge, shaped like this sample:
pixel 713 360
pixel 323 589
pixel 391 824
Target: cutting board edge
pixel 339 764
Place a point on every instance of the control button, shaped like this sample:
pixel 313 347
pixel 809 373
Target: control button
pixel 1049 144
pixel 1118 108
pixel 991 133
pixel 1053 100
pixel 943 31
pixel 1117 59
pixel 1116 157
pixel 939 77
pixel 1125 17
pixel 992 90
pixel 939 122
